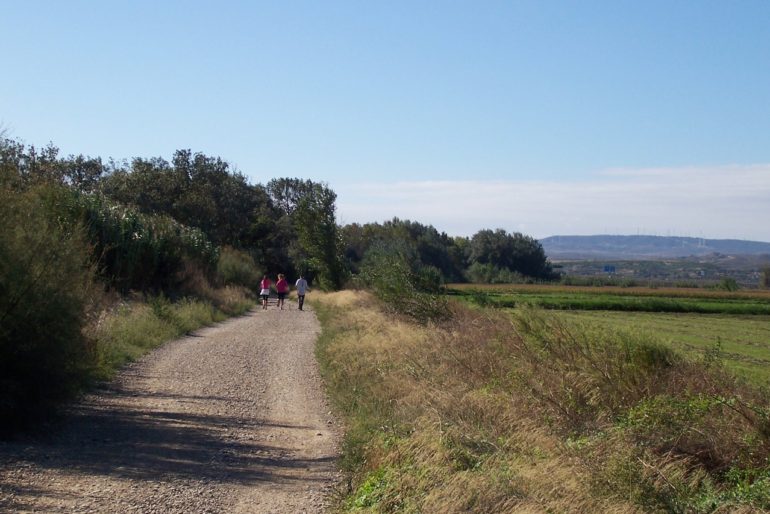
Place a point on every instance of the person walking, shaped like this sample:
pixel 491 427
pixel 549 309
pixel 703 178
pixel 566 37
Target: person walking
pixel 264 291
pixel 302 288
pixel 282 288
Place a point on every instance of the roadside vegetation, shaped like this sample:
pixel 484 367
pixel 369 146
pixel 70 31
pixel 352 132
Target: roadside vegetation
pixel 489 411
pixel 450 405
pixel 100 261
pixel 79 299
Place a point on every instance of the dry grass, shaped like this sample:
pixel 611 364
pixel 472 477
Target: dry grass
pixel 485 414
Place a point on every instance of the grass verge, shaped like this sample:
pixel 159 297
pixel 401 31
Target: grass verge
pixel 482 413
pixel 134 328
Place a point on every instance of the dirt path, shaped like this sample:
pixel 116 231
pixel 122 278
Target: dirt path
pixel 230 419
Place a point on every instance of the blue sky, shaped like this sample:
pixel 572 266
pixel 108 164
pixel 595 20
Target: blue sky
pixel 544 117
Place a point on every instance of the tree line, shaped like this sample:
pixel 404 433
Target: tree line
pixel 75 230
pixel 286 225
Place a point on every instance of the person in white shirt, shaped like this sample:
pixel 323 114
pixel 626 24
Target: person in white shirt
pixel 302 288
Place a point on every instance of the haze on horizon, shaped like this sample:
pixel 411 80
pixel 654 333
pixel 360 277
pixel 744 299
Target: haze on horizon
pixel 548 118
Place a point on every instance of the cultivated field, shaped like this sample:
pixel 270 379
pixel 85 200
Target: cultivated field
pixel 694 321
pixel 743 342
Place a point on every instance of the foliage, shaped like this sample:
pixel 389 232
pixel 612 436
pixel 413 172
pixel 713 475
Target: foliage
pixel 597 281
pixel 310 209
pixel 142 252
pixel 402 288
pixel 515 252
pixel 237 267
pixel 29 166
pixel 58 241
pixel 46 283
pixel 202 192
pixel 422 243
pixel 727 284
pixel 484 413
pixel 479 273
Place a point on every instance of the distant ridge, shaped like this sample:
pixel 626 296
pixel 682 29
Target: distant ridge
pixel 646 247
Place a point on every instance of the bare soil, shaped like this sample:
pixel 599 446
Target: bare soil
pixel 229 419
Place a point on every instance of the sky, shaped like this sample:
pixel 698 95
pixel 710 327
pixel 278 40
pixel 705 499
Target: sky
pixel 541 117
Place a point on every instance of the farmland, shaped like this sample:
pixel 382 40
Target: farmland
pixel 736 325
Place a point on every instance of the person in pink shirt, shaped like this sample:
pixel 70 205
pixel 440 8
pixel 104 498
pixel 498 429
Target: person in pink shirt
pixel 282 288
pixel 264 291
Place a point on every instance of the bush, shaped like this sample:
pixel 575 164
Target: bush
pixel 727 284
pixel 236 267
pixel 413 293
pixel 142 252
pixel 479 273
pixel 46 280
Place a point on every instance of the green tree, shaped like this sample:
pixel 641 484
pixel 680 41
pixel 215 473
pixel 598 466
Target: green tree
pixel 513 252
pixel 202 192
pixel 422 245
pixel 32 166
pixel 310 208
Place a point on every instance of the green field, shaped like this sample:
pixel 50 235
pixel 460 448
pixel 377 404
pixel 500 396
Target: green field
pixel 690 320
pixel 631 299
pixel 744 341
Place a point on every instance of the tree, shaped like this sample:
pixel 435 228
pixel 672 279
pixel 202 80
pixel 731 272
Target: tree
pixel 422 245
pixel 310 207
pixel 513 252
pixel 31 166
pixel 201 192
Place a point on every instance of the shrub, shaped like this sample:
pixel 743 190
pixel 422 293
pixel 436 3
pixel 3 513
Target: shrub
pixel 727 284
pixel 137 251
pixel 46 280
pixel 764 280
pixel 236 267
pixel 413 293
pixel 479 273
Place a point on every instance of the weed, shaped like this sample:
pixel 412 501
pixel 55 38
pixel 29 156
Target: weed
pixel 482 412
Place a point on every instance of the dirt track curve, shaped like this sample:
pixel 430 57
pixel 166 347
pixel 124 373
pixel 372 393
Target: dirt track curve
pixel 229 419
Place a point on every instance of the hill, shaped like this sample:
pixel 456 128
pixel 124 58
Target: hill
pixel 646 247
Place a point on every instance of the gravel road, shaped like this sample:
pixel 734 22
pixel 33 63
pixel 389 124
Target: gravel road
pixel 229 419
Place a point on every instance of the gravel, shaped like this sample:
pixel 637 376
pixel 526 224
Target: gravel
pixel 229 419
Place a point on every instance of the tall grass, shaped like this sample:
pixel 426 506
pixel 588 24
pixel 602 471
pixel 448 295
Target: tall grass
pixel 485 413
pixel 142 252
pixel 134 328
